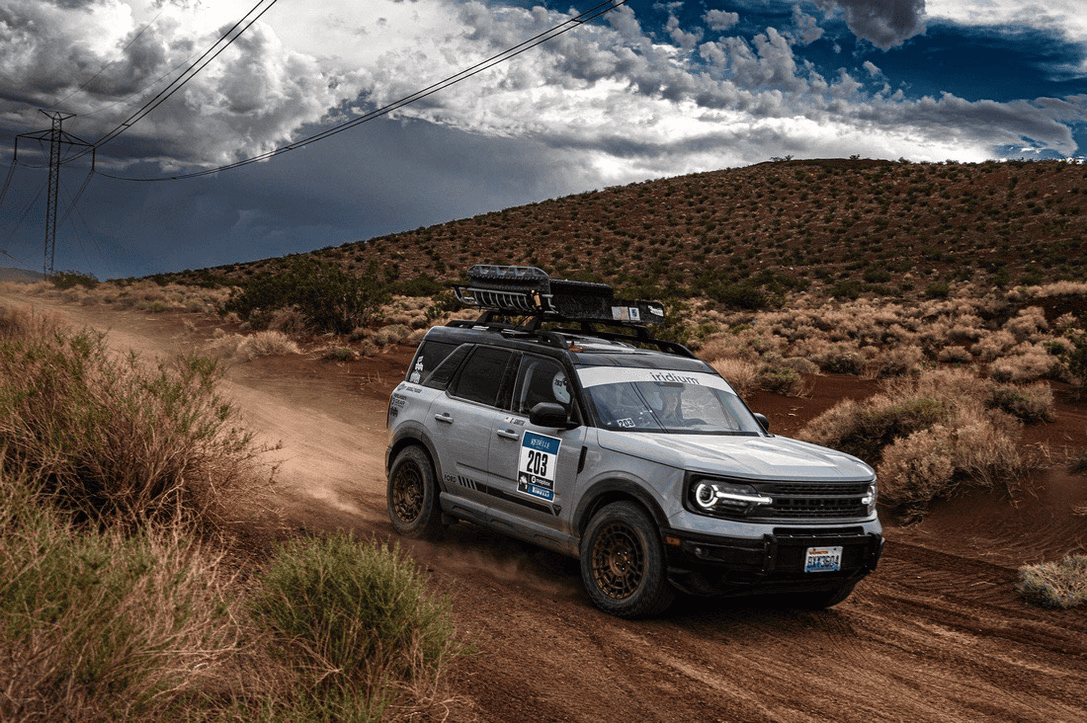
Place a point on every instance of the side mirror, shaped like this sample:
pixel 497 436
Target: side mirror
pixel 763 421
pixel 549 414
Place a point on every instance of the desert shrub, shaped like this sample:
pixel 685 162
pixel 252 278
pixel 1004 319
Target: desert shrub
pixel 954 355
pixel 1027 323
pixel 1055 584
pixel 745 295
pixel 896 362
pixel 23 322
pixel 327 296
pixel 927 437
pixel 994 345
pixel 839 359
pixel 114 438
pixel 290 321
pixel 419 286
pixel 352 615
pixel 779 379
pixel 339 354
pixel 1074 361
pixel 102 625
pixel 865 429
pixel 267 343
pixel 1030 403
pixel 1026 363
pixel 916 469
pixel 743 375
pixel 390 334
pixel 64 280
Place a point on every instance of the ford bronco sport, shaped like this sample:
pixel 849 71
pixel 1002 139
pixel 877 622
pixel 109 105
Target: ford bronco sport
pixel 576 430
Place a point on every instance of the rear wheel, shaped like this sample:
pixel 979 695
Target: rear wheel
pixel 412 495
pixel 623 564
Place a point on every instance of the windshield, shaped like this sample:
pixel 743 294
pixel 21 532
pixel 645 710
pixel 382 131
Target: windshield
pixel 651 400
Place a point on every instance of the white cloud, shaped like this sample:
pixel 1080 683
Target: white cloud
pixel 606 93
pixel 1066 17
pixel 719 20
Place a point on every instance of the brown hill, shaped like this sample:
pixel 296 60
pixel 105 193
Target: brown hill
pixel 846 227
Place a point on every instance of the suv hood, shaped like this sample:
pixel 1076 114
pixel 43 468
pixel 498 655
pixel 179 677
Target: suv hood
pixel 751 457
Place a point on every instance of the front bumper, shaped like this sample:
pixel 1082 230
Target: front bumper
pixel 713 565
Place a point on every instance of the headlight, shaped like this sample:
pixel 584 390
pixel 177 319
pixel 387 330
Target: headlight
pixel 869 499
pixel 711 496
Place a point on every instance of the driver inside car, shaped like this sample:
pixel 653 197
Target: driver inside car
pixel 618 405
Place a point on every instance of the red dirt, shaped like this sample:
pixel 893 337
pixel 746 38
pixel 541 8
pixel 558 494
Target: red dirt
pixel 937 633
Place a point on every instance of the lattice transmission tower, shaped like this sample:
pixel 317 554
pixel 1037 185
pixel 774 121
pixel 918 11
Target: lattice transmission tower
pixel 55 137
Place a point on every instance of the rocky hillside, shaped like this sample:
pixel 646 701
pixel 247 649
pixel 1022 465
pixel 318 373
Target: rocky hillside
pixel 837 226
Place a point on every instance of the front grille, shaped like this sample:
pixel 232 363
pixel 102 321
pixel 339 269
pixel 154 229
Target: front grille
pixel 811 500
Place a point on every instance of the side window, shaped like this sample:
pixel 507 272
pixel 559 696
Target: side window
pixel 540 380
pixel 429 356
pixel 441 376
pixel 481 377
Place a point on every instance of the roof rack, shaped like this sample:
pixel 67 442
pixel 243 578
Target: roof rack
pixel 528 291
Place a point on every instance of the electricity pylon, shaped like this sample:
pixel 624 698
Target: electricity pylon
pixel 56 137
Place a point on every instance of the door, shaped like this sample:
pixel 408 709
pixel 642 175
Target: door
pixel 464 418
pixel 535 468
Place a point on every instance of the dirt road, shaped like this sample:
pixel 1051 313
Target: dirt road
pixel 936 634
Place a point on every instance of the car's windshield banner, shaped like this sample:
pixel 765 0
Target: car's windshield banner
pixel 595 376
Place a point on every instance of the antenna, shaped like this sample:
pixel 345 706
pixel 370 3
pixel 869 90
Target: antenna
pixel 56 137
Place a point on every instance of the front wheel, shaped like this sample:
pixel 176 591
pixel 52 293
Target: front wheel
pixel 412 495
pixel 622 562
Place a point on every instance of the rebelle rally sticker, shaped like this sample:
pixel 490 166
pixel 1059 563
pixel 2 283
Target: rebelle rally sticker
pixel 536 468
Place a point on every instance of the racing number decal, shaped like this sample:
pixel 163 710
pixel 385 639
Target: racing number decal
pixel 538 462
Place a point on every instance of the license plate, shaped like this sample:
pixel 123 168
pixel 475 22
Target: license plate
pixel 823 559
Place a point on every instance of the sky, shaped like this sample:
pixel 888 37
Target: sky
pixel 373 117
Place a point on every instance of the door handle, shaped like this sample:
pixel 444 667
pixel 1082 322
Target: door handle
pixel 444 417
pixel 508 434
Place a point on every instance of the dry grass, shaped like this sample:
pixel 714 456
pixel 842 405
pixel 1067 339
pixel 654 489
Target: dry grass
pixel 116 438
pixel 1055 584
pixel 118 601
pixel 247 347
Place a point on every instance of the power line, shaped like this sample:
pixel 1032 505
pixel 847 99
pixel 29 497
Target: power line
pixel 103 68
pixel 524 46
pixel 232 34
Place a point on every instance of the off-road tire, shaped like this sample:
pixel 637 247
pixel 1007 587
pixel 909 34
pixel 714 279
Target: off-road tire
pixel 412 495
pixel 622 562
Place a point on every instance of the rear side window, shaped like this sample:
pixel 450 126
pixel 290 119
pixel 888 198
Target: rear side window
pixel 447 368
pixel 427 359
pixel 482 376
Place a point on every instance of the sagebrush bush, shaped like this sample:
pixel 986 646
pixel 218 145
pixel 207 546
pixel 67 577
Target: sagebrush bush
pixel 741 374
pixel 864 429
pixel 1055 584
pixel 114 438
pixel 103 626
pixel 266 343
pixel 1028 403
pixel 916 469
pixel 354 614
pixel 330 298
pixel 781 379
pixel 927 437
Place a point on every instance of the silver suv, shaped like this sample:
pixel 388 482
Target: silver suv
pixel 619 449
